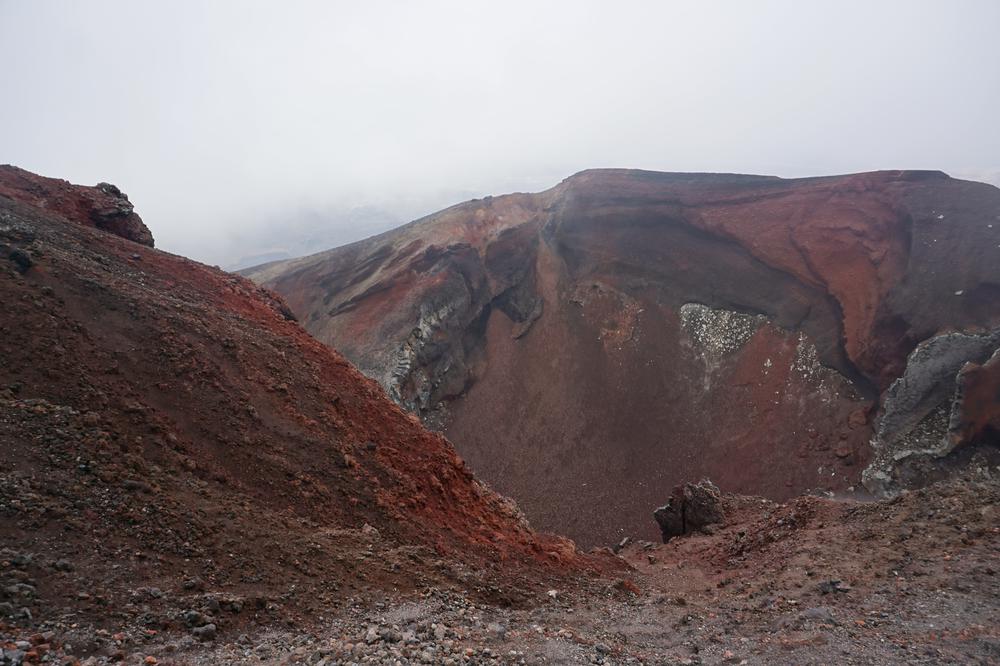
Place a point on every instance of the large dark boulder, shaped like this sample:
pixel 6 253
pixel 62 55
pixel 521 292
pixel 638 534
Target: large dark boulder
pixel 691 507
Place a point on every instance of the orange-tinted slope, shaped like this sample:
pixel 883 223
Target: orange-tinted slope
pixel 588 347
pixel 167 417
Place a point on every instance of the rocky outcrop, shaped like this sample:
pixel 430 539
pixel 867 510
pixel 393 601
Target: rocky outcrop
pixel 628 330
pixel 692 507
pixel 103 206
pixel 947 398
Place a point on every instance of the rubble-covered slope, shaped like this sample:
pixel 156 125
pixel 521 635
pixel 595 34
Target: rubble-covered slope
pixel 908 580
pixel 588 347
pixel 170 438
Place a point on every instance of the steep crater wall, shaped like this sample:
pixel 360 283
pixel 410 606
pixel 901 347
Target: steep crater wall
pixel 589 347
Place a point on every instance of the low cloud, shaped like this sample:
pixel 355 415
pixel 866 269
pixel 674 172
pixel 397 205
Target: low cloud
pixel 234 124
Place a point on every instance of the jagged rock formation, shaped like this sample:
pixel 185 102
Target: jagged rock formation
pixel 946 400
pixel 103 206
pixel 167 418
pixel 626 331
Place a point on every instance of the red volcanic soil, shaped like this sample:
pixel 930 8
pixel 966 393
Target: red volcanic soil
pixel 589 347
pixel 104 206
pixel 166 425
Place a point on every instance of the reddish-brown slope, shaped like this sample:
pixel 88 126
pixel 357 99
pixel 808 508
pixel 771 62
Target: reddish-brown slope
pixel 167 417
pixel 591 346
pixel 103 206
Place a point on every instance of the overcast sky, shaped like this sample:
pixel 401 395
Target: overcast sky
pixel 241 128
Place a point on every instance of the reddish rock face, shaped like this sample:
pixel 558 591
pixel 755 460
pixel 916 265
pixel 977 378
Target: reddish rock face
pixel 104 207
pixel 153 405
pixel 590 347
pixel 977 415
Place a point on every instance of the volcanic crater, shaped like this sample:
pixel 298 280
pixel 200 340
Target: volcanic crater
pixel 589 347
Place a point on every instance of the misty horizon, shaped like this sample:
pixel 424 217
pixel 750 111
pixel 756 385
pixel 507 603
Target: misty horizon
pixel 247 130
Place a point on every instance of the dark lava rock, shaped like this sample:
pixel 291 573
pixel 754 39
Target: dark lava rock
pixel 205 632
pixel 692 507
pixel 193 618
pixel 828 586
pixel 21 259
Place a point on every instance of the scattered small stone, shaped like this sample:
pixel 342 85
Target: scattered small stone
pixel 137 485
pixel 193 618
pixel 828 586
pixel 498 629
pixel 390 636
pixel 820 614
pixel 21 560
pixel 194 584
pixel 22 260
pixel 621 545
pixel 204 633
